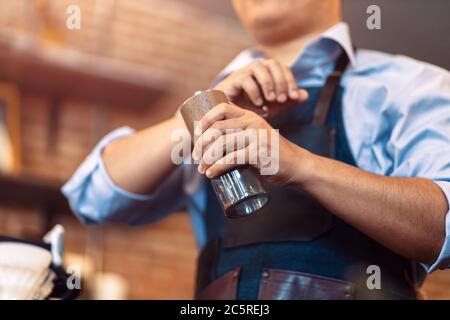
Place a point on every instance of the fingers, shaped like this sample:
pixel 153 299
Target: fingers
pixel 225 164
pixel 216 122
pixel 264 79
pixel 257 83
pixel 292 84
pixel 220 112
pixel 214 132
pixel 278 75
pixel 223 145
pixel 284 81
pixel 295 93
pixel 250 87
pixel 219 148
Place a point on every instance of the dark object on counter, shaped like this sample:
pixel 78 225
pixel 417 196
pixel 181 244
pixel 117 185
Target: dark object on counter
pixel 240 191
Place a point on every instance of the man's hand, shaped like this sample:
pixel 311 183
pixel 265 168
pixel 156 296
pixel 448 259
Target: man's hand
pixel 264 86
pixel 217 148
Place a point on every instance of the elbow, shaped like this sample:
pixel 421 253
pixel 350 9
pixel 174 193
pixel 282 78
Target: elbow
pixel 431 253
pixel 434 237
pixel 430 249
pixel 93 207
pixel 89 213
pixel 89 205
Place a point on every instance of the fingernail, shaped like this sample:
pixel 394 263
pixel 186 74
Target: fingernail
pixel 282 98
pixel 201 169
pixel 271 96
pixel 195 156
pixel 265 110
pixel 209 173
pixel 259 101
pixel 293 94
pixel 304 94
pixel 198 131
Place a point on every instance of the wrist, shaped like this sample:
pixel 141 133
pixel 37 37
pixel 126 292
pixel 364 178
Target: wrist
pixel 306 167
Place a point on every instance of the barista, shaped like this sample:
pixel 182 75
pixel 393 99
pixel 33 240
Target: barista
pixel 364 166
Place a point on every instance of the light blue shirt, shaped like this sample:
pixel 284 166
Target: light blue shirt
pixel 396 114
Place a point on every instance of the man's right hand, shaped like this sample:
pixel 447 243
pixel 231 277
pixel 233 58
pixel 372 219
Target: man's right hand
pixel 263 84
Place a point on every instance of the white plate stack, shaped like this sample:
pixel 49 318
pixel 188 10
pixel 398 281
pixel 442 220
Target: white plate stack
pixel 24 272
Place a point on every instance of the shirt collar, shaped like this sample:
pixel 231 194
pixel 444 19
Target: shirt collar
pixel 340 33
pixel 319 52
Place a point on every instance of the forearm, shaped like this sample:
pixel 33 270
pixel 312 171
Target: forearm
pixel 139 163
pixel 406 215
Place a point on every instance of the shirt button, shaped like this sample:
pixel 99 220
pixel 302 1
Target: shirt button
pixel 265 274
pixel 235 274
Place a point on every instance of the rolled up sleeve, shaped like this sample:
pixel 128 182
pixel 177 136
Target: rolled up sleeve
pixel 95 198
pixel 443 261
pixel 419 145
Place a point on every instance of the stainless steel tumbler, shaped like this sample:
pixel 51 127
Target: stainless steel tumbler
pixel 240 191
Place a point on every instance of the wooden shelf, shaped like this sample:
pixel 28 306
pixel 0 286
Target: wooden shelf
pixel 67 74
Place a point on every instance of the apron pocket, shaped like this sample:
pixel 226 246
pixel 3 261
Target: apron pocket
pixel 278 284
pixel 223 288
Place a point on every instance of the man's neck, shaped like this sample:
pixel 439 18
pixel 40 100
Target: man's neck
pixel 288 51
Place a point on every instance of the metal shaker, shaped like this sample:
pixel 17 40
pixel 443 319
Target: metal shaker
pixel 239 191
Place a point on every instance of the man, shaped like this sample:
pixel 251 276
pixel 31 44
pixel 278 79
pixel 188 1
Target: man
pixel 371 195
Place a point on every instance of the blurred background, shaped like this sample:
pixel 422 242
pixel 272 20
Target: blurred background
pixel 133 62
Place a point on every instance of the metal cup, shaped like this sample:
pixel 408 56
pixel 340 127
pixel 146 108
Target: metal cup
pixel 239 191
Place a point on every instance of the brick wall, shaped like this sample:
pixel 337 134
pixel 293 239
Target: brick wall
pixel 186 43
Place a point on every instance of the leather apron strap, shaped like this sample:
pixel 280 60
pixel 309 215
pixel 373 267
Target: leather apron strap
pixel 329 90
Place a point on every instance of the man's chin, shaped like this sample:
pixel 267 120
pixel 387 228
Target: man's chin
pixel 272 34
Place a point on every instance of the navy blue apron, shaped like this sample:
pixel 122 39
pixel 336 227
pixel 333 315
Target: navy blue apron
pixel 294 232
